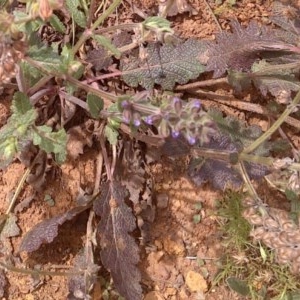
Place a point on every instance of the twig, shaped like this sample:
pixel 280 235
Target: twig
pixel 203 83
pixel 19 189
pixel 213 15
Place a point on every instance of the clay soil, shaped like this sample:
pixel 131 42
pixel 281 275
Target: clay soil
pixel 176 240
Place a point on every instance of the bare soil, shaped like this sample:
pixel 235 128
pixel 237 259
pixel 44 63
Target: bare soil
pixel 175 239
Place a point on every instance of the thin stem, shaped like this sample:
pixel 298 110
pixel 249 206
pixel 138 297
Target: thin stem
pixel 88 33
pixel 107 97
pixel 37 272
pixel 74 100
pixel 213 15
pixel 203 83
pixel 247 181
pixel 275 126
pixel 18 189
pixel 45 79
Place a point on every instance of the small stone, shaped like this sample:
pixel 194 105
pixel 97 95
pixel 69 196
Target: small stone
pixel 195 282
pixel 174 247
pixel 153 296
pixel 170 292
pixel 162 200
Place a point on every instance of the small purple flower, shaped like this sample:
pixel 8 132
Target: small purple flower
pixel 175 134
pixel 137 122
pixel 125 104
pixel 196 104
pixel 177 103
pixel 126 120
pixel 148 120
pixel 191 140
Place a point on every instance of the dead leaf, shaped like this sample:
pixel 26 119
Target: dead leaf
pixel 3 283
pixel 120 253
pixel 78 138
pixel 80 286
pixel 46 231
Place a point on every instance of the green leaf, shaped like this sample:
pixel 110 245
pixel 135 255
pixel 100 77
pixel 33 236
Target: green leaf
pixel 107 44
pixel 45 56
pixel 111 134
pixel 51 142
pixel 17 128
pixel 8 149
pixel 21 104
pixel 165 65
pixel 238 286
pixel 263 253
pixel 77 15
pixel 95 105
pixel 30 74
pixel 57 24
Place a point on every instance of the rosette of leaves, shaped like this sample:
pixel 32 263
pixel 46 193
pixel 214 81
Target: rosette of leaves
pixel 174 118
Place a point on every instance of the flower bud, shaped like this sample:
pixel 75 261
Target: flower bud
pixel 45 10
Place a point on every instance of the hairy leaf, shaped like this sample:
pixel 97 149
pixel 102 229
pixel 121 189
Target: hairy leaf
pixel 241 48
pixel 111 134
pixel 119 253
pixel 240 134
pixel 51 142
pixel 49 59
pixel 99 58
pixel 267 78
pixel 80 285
pixel 238 286
pixel 95 105
pixel 232 138
pixel 78 15
pixel 286 16
pixel 46 231
pixel 132 173
pixel 107 44
pixel 165 65
pixel 16 130
pixel 57 24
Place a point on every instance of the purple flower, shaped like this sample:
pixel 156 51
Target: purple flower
pixel 191 140
pixel 196 104
pixel 125 104
pixel 137 122
pixel 125 120
pixel 175 134
pixel 148 120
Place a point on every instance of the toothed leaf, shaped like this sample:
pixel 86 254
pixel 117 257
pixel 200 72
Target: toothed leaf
pixel 77 15
pixel 165 65
pixel 51 142
pixel 120 253
pixel 241 48
pixel 47 230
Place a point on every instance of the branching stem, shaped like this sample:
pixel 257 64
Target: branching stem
pixel 275 126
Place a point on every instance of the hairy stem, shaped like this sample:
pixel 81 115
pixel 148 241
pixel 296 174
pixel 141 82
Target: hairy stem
pixel 275 126
pixel 107 97
pixel 87 34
